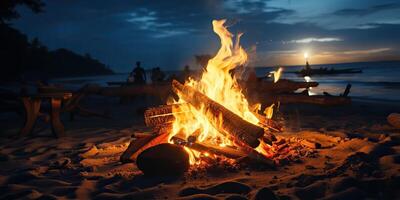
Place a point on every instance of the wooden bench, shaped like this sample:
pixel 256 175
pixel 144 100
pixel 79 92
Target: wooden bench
pixel 32 105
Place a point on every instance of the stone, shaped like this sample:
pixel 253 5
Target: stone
pixel 163 160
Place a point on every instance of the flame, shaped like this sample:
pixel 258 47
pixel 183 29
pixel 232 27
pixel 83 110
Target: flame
pixel 269 111
pixel 218 84
pixel 277 74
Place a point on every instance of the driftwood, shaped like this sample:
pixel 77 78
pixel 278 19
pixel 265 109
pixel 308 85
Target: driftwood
pixel 231 123
pixel 304 98
pixel 282 86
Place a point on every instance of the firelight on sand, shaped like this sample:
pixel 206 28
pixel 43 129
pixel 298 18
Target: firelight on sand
pixel 220 85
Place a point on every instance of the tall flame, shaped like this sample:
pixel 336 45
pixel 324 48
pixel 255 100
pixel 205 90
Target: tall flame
pixel 218 84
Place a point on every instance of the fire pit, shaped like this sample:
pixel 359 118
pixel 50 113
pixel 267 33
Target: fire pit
pixel 212 119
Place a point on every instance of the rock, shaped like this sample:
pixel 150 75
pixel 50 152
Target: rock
pixel 265 193
pixel 164 159
pixel 394 120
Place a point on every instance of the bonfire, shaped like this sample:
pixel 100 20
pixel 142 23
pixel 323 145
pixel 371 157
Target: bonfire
pixel 211 117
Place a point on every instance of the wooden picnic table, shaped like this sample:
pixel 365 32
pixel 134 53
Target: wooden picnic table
pixel 32 105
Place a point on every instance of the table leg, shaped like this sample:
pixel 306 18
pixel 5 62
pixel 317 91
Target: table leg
pixel 32 107
pixel 56 125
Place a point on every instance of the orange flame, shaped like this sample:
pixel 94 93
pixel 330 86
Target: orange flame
pixel 218 84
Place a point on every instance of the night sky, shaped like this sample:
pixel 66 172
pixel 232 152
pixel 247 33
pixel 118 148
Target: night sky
pixel 168 33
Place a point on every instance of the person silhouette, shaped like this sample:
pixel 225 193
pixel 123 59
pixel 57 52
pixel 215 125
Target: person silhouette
pixel 157 75
pixel 139 75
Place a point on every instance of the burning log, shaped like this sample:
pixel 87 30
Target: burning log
pixel 139 145
pixel 159 115
pixel 269 123
pixel 231 123
pixel 162 115
pixel 221 151
pixel 255 155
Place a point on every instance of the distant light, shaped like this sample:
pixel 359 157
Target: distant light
pixel 305 55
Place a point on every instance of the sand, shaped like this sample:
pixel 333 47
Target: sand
pixel 359 159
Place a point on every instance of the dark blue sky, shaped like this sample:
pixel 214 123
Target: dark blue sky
pixel 167 33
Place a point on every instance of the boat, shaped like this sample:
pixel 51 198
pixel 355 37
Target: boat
pixel 308 71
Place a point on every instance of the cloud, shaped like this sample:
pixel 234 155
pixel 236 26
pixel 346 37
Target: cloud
pixel 367 11
pixel 368 51
pixel 148 20
pixel 312 39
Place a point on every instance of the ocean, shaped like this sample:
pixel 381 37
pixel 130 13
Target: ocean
pixel 378 80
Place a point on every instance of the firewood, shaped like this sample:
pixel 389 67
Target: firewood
pixel 158 115
pixel 221 151
pixel 268 123
pixel 231 123
pixel 255 155
pixel 141 144
pixel 163 115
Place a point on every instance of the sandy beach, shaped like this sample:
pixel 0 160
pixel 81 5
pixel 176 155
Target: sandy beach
pixel 359 159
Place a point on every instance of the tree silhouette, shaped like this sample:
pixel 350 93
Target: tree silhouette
pixel 8 8
pixel 21 59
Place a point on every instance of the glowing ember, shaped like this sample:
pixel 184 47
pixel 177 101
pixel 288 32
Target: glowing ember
pixel 219 85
